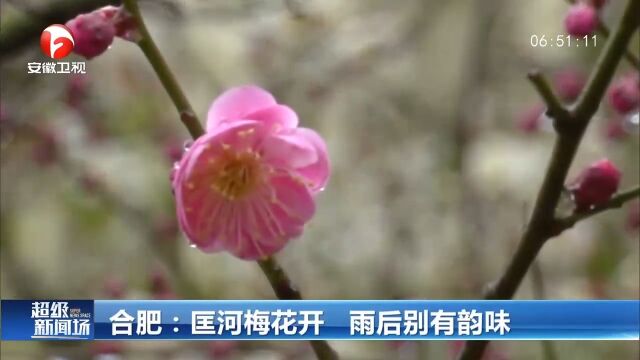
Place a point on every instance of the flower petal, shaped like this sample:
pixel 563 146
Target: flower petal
pixel 271 219
pixel 202 211
pixel 276 117
pixel 236 103
pixel 289 150
pixel 316 174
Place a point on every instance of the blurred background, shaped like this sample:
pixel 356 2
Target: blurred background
pixel 438 146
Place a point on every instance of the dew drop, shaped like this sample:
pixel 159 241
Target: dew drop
pixel 193 246
pixel 187 145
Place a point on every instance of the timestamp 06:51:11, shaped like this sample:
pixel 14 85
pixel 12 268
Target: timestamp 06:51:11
pixel 563 40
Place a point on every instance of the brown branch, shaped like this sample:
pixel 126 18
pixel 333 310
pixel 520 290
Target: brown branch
pixel 555 109
pixel 541 223
pixel 628 55
pixel 285 290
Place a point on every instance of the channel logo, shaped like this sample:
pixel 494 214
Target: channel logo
pixel 56 41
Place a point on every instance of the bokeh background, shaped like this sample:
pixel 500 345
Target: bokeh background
pixel 424 106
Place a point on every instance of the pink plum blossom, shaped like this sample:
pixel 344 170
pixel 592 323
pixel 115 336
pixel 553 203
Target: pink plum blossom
pixel 248 185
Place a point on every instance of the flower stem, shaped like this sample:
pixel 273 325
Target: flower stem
pixel 157 61
pixel 285 290
pixel 278 278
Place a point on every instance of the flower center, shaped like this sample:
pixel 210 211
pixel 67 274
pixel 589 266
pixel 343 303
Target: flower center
pixel 238 174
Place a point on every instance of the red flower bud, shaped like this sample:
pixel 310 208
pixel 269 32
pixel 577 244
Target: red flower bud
pixel 615 130
pixel 595 185
pixel 123 22
pixel 624 94
pixel 221 349
pixel 93 34
pixel 114 288
pixel 530 120
pixel 581 20
pixel 160 287
pixel 569 84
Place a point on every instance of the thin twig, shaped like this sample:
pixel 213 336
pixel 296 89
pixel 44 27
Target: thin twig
pixel 616 201
pixel 279 280
pixel 541 223
pixel 555 109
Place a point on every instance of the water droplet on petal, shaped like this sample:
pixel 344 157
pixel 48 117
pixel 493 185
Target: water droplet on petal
pixel 187 145
pixel 193 246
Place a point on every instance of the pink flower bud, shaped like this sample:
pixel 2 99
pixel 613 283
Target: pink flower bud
pixel 114 288
pixel 93 34
pixel 160 287
pixel 221 349
pixel 123 22
pixel 624 94
pixel 581 20
pixel 569 84
pixel 530 120
pixel 615 130
pixel 595 185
